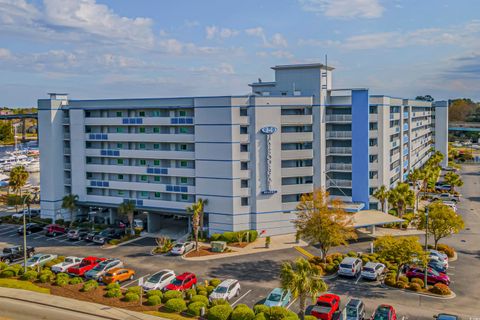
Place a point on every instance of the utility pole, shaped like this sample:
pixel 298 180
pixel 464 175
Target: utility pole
pixel 426 246
pixel 24 238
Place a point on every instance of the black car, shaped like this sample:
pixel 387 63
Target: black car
pixel 89 237
pixel 30 228
pixel 108 234
pixel 15 253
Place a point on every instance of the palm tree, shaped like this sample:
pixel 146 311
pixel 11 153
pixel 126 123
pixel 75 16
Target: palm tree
pixel 128 208
pixel 414 177
pixel 303 280
pixel 454 180
pixel 69 202
pixel 18 178
pixel 381 194
pixel 197 218
pixel 401 197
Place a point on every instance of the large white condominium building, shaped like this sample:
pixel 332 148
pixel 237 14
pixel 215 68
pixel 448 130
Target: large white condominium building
pixel 251 157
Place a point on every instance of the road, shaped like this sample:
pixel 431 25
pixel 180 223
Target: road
pixel 258 273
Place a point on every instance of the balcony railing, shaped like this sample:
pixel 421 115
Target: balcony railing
pixel 339 150
pixel 339 183
pixel 339 166
pixel 339 118
pixel 339 134
pixel 66 150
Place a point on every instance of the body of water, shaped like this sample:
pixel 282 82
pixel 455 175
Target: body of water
pixel 34 178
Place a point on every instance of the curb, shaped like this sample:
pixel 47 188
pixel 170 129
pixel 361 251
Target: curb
pixel 123 243
pixel 454 258
pixel 230 254
pixel 424 294
pixel 330 277
pixel 304 252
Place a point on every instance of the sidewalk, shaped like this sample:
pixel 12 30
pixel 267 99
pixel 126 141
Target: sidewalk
pixel 258 246
pixel 72 306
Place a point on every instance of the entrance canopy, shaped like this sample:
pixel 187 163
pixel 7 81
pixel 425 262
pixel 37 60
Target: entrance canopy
pixel 369 218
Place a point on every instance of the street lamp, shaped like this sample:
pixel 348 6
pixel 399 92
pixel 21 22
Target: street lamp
pixel 24 237
pixel 426 246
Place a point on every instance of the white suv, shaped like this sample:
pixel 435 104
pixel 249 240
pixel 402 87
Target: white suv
pixel 226 290
pixel 350 267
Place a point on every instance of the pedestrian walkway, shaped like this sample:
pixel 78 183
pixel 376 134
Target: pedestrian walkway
pixel 258 246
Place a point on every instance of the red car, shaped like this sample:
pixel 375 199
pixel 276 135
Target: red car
pixel 87 264
pixel 327 305
pixel 55 229
pixel 432 276
pixel 384 312
pixel 182 282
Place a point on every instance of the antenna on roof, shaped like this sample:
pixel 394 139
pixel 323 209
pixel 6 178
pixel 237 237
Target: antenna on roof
pixel 259 80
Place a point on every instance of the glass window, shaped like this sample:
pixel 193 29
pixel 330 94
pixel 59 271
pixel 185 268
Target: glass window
pixel 141 129
pixel 244 201
pixel 244 183
pixel 157 178
pixel 120 177
pixel 183 163
pixel 142 146
pixel 156 113
pixel 143 162
pixel 119 130
pixel 156 130
pixel 119 145
pixel 120 192
pixel 373 109
pixel 119 161
pixel 156 146
pixel 243 130
pixel 182 113
pixel 183 130
pixel 141 114
pixel 119 114
pixel 244 147
pixel 184 196
pixel 183 147
pixel 144 194
pixel 143 178
pixel 243 165
pixel 157 194
pixel 183 180
pixel 156 162
pixel 243 111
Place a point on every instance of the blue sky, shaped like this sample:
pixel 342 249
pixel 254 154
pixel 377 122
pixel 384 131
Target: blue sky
pixel 160 48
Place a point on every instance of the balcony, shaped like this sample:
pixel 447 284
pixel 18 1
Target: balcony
pixel 338 118
pixel 339 150
pixel 144 121
pixel 297 137
pixel 146 202
pixel 339 167
pixel 66 136
pixel 297 154
pixel 297 188
pixel 138 170
pixel 297 119
pixel 66 150
pixel 405 126
pixel 66 120
pixel 338 183
pixel 146 154
pixel 67 166
pixel 297 172
pixel 339 134
pixel 68 181
pixel 143 137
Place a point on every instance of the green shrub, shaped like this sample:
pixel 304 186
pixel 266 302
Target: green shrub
pixel 113 285
pixel 61 282
pixel 153 300
pixel 190 293
pixel 352 254
pixel 309 317
pixel 201 287
pixel 261 308
pixel 171 294
pixel 203 293
pixel 215 237
pixel 176 305
pixel 441 289
pixel 242 312
pixel 292 315
pixel 3 265
pixel 199 298
pixel 7 273
pixel 414 286
pixel 89 286
pixel 113 293
pixel 62 275
pixel 449 251
pixel 277 313
pixel 418 281
pixel 157 293
pixel 210 289
pixel 76 280
pixel 220 312
pixel 45 278
pixel 219 302
pixel 403 279
pixel 401 285
pixel 131 296
pixel 330 268
pixel 253 235
pixel 390 281
pixel 261 316
pixel 136 289
pixel 229 237
pixel 195 308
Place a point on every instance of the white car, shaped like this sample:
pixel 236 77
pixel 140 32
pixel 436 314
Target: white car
pixel 451 204
pixel 182 248
pixel 226 290
pixel 350 267
pixel 372 270
pixel 67 263
pixel 40 259
pixel 159 280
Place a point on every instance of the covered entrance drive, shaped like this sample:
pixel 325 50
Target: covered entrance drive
pixel 369 219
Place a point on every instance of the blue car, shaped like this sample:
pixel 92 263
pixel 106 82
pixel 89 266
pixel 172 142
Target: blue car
pixel 278 297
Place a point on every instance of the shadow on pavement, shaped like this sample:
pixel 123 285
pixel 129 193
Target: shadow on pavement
pixel 258 271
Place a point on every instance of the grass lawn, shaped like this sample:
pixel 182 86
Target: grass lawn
pixel 173 316
pixel 24 285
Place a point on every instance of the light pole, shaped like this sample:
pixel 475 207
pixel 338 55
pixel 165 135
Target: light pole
pixel 426 246
pixel 24 237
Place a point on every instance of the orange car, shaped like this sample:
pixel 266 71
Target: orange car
pixel 118 275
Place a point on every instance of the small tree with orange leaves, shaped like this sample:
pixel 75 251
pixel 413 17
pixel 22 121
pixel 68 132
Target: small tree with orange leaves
pixel 323 221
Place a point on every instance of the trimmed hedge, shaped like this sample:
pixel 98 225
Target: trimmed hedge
pixel 441 289
pixel 215 282
pixel 277 313
pixel 230 237
pixel 3 265
pixel 203 293
pixel 414 286
pixel 113 293
pixel 219 302
pixel 29 275
pixel 195 308
pixel 190 293
pixel 176 305
pixel 261 308
pixel 242 312
pixel 309 317
pixel 401 285
pixel 199 298
pixel 113 285
pixel 171 294
pixel 136 289
pixel 89 286
pixel 220 312
pixel 261 316
pixel 449 251
pixel 157 293
pixel 61 282
pixel 418 281
pixel 131 296
pixel 153 300
pixel 210 289
pixel 76 280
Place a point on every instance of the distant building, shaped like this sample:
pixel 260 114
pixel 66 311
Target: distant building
pixel 251 157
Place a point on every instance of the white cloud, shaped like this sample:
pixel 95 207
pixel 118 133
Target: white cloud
pixel 176 47
pixel 344 8
pixel 221 33
pixel 277 40
pixel 223 68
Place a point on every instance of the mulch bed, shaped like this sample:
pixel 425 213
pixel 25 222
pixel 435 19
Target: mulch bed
pixel 202 252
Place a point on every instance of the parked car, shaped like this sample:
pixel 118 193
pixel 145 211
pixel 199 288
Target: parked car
pixel 55 229
pixel 89 237
pixel 384 312
pixel 372 270
pixel 67 263
pixel 226 290
pixel 437 265
pixel 445 316
pixel 438 256
pixel 182 282
pixel 77 234
pixel 451 204
pixel 14 253
pixel 181 248
pixel 432 275
pixel 159 280
pixel 32 213
pixel 445 197
pixel 326 306
pixel 30 228
pixel 87 264
pixel 118 275
pixel 350 267
pixel 278 297
pixel 443 187
pixel 355 310
pixel 108 234
pixel 102 268
pixel 40 259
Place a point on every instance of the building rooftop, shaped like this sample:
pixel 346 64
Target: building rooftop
pixel 302 66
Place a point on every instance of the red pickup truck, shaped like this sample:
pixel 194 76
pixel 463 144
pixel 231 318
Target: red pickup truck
pixel 327 305
pixel 183 282
pixel 87 264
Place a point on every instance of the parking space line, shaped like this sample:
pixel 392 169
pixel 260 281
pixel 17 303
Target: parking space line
pixel 56 238
pixel 133 281
pixel 7 232
pixel 290 304
pixel 358 279
pixel 40 236
pixel 243 296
